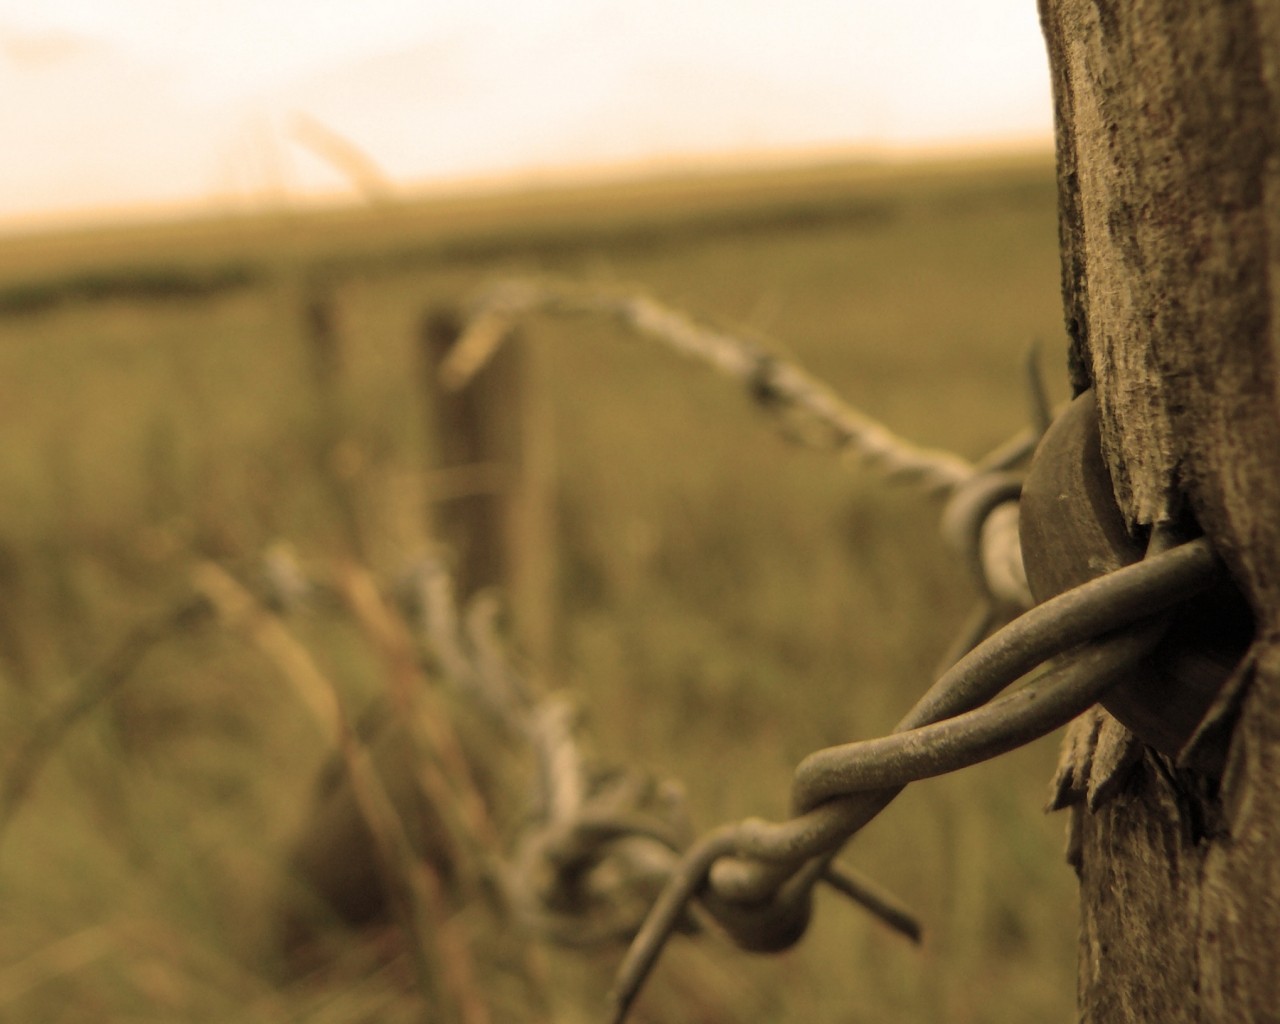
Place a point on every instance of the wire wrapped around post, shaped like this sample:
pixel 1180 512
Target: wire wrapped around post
pixel 756 877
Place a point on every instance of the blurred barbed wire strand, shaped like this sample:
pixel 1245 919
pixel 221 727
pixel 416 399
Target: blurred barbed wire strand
pixel 779 384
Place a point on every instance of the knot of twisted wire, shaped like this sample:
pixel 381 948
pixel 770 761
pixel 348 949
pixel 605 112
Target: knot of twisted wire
pixel 756 878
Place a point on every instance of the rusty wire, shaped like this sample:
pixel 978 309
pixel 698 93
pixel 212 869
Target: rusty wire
pixel 597 851
pixel 601 857
pixel 777 383
pixel 596 847
pixel 981 515
pixel 980 523
pixel 756 877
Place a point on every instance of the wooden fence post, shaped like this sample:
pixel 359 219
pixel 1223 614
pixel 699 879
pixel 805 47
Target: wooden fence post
pixel 490 490
pixel 1168 139
pixel 335 452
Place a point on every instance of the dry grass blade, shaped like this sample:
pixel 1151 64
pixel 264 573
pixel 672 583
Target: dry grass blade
pixel 41 742
pixel 417 894
pixel 54 961
pixel 444 769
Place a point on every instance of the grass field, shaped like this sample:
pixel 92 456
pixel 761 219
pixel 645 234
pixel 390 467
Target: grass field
pixel 725 602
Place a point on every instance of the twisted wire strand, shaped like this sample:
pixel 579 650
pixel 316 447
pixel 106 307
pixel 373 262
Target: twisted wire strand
pixel 1075 617
pixel 985 535
pixel 756 876
pixel 984 531
pixel 775 382
pixel 980 522
pixel 594 851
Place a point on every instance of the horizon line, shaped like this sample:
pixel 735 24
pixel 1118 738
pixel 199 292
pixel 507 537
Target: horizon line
pixel 531 179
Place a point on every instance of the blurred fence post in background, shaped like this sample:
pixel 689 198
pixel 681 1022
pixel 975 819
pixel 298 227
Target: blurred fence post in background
pixel 337 455
pixel 490 489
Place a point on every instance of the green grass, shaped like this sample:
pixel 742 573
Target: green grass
pixel 726 602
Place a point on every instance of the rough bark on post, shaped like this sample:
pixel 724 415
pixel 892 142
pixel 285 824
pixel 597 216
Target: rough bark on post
pixel 1168 125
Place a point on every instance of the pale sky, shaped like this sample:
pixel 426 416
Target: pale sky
pixel 115 103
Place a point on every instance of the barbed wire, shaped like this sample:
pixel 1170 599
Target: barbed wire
pixel 980 519
pixel 776 383
pixel 606 857
pixel 756 877
pixel 598 844
pixel 610 855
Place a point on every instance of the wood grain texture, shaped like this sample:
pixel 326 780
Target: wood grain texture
pixel 1169 174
